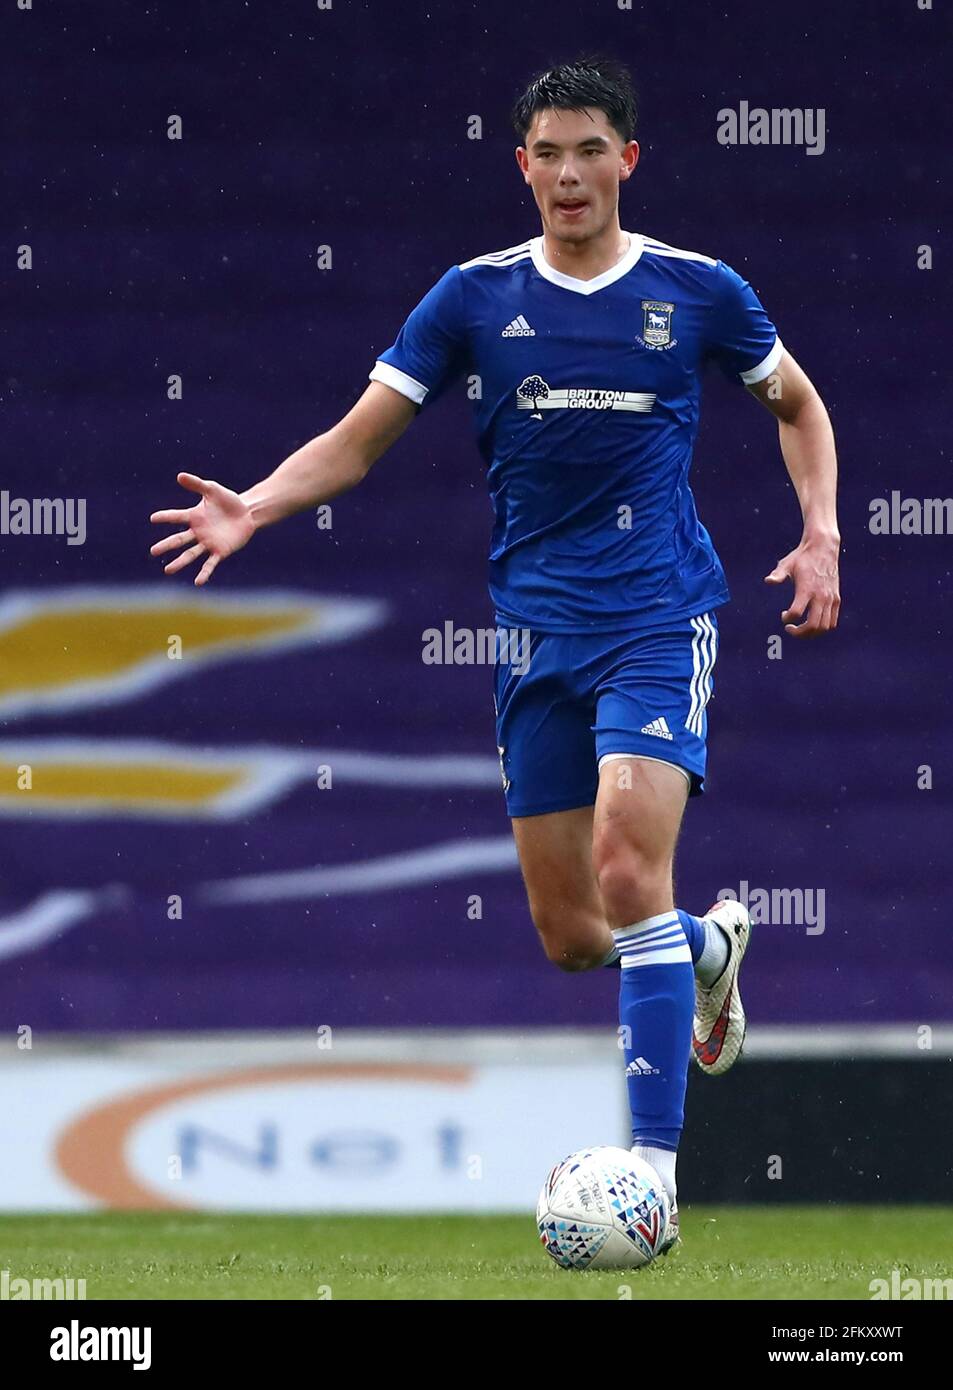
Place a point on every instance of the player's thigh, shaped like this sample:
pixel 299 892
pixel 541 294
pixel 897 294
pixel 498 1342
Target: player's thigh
pixel 545 738
pixel 637 816
pixel 555 854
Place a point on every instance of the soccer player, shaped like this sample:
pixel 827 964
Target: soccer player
pixel 588 342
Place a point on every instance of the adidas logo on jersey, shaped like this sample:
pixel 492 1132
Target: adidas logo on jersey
pixel 658 727
pixel 640 1067
pixel 519 328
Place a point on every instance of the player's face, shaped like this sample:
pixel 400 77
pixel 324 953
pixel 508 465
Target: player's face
pixel 574 162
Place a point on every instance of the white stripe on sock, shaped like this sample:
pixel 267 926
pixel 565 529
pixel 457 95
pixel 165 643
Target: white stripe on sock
pixel 658 940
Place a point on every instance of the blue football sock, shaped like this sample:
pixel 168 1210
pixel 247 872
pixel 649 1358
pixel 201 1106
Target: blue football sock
pixel 708 945
pixel 694 930
pixel 656 1004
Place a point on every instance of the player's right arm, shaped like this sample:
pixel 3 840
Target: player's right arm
pixel 429 353
pixel 223 521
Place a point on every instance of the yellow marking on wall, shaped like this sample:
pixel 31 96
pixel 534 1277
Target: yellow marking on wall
pixel 53 649
pixel 118 784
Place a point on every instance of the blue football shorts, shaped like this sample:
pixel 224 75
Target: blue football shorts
pixel 567 703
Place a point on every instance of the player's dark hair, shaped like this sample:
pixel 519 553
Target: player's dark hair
pixel 591 80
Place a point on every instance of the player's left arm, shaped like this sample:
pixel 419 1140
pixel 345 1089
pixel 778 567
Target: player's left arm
pixel 807 445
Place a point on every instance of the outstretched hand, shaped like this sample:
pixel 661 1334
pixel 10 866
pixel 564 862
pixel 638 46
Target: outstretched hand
pixel 813 568
pixel 218 525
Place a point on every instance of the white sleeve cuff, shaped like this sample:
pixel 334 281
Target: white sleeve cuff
pixel 765 367
pixel 400 381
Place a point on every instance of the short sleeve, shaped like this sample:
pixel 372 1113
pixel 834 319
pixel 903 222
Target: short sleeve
pixel 741 338
pixel 431 348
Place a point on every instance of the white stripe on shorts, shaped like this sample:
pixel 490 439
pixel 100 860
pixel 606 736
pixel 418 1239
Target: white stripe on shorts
pixel 704 651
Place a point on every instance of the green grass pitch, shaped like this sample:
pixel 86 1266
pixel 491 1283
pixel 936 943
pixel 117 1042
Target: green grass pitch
pixel 726 1253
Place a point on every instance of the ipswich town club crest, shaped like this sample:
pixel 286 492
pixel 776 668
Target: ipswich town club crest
pixel 657 323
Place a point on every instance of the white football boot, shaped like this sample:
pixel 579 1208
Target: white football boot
pixel 718 1028
pixel 671 1233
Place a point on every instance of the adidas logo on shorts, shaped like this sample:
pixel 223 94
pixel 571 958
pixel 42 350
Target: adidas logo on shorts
pixel 658 727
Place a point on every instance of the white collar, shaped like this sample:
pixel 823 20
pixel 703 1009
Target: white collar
pixel 569 282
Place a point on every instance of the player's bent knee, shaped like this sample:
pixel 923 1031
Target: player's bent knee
pixel 571 947
pixel 571 959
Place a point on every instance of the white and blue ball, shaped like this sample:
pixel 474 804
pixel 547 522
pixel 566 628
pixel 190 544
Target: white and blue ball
pixel 603 1208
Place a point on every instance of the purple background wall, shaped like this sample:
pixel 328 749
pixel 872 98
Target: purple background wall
pixel 349 128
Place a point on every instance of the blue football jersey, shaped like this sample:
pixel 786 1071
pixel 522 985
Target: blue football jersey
pixel 586 398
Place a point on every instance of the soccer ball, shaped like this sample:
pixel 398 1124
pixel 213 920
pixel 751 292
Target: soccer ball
pixel 603 1208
